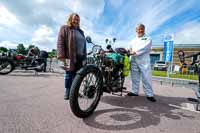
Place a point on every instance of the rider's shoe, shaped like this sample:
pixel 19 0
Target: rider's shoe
pixel 152 99
pixel 66 97
pixel 132 94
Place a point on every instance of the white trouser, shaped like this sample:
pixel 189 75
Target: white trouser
pixel 140 67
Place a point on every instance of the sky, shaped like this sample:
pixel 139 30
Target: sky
pixel 38 21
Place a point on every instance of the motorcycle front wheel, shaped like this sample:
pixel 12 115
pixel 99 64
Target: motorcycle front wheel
pixel 86 91
pixel 6 67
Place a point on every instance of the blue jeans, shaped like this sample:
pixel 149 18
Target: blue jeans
pixel 68 77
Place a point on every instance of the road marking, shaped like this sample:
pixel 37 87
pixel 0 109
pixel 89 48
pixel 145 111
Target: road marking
pixel 189 107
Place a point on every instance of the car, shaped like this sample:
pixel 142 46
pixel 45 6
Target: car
pixel 160 65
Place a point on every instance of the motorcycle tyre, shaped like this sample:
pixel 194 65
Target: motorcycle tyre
pixel 11 69
pixel 73 99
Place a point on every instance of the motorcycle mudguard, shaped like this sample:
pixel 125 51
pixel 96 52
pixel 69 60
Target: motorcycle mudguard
pixel 87 68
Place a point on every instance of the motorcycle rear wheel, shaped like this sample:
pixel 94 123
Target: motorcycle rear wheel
pixel 6 67
pixel 86 87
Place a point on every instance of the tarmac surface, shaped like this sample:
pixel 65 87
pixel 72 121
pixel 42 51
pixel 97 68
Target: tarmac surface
pixel 35 104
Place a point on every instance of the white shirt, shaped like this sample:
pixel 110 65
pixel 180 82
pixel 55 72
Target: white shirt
pixel 141 45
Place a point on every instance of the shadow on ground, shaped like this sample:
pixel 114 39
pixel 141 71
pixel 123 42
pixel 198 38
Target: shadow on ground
pixel 32 74
pixel 28 75
pixel 136 112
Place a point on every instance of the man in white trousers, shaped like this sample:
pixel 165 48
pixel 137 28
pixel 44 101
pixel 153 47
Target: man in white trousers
pixel 140 63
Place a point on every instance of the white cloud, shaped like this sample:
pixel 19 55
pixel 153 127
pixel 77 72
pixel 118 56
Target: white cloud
pixel 154 15
pixel 8 44
pixel 157 13
pixel 44 37
pixel 87 8
pixel 116 3
pixel 11 28
pixel 7 18
pixel 50 13
pixel 189 34
pixel 38 21
pixel 41 1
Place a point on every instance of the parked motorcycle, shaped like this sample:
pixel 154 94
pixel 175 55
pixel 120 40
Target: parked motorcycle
pixel 196 66
pixel 103 73
pixel 10 63
pixel 196 63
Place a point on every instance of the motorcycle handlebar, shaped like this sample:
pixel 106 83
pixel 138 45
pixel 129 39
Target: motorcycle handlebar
pixel 89 53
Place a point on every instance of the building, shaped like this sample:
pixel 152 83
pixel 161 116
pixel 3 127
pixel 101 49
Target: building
pixel 157 52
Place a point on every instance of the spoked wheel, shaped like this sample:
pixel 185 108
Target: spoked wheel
pixel 86 91
pixel 5 67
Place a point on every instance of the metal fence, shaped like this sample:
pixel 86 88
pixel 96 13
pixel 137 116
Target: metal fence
pixel 53 66
pixel 190 74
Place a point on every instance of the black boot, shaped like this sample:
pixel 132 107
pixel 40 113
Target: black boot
pixel 66 97
pixel 152 99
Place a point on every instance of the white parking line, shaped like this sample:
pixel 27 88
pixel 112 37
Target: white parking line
pixel 189 107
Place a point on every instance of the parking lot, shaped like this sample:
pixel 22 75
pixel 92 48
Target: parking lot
pixel 34 104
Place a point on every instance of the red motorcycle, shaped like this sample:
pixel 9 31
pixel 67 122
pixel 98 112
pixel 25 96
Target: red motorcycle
pixel 10 63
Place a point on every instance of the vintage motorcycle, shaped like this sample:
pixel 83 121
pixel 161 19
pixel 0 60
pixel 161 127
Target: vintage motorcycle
pixel 196 63
pixel 103 73
pixel 196 66
pixel 10 63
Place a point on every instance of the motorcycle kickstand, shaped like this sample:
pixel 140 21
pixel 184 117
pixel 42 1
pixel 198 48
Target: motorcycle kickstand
pixel 36 73
pixel 121 92
pixel 197 106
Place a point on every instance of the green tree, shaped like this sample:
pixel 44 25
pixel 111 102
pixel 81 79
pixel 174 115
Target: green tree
pixel 54 52
pixel 50 55
pixel 29 47
pixel 21 49
pixel 3 49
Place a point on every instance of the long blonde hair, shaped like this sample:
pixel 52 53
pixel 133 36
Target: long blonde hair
pixel 69 21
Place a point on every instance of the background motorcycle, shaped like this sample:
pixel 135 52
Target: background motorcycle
pixel 196 66
pixel 101 74
pixel 10 63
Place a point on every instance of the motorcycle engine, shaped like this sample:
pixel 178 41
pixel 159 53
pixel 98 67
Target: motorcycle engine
pixel 116 84
pixel 108 62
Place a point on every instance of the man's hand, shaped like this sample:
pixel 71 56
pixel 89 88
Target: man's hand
pixel 132 52
pixel 65 63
